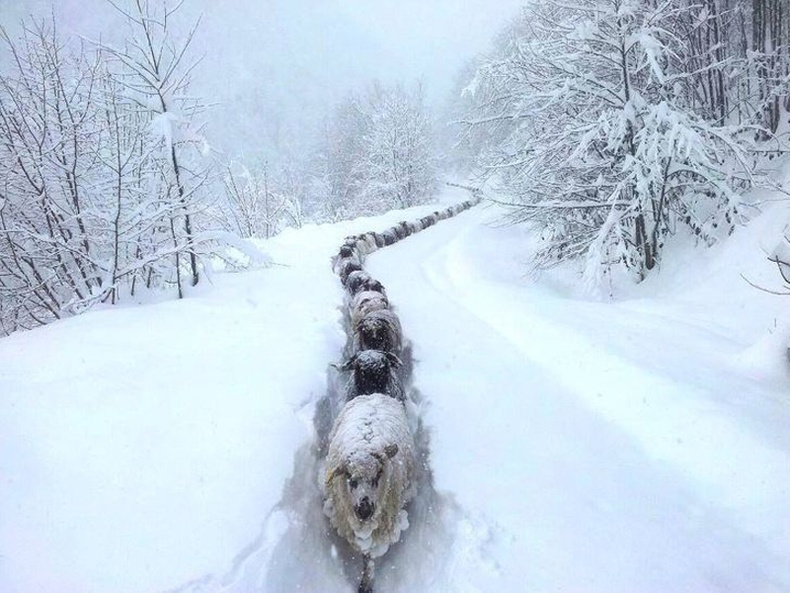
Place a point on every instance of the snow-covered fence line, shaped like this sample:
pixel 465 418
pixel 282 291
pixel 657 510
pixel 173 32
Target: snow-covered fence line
pixel 368 476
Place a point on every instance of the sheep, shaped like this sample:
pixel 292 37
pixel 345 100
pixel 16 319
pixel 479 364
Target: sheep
pixel 366 243
pixel 379 239
pixel 405 228
pixel 374 372
pixel 356 280
pixel 389 237
pixel 374 285
pixel 345 266
pixel 377 330
pixel 427 221
pixel 415 226
pixel 362 281
pixel 365 302
pixel 369 477
pixel 346 250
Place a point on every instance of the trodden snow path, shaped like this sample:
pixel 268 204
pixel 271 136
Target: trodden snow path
pixel 575 446
pixel 599 445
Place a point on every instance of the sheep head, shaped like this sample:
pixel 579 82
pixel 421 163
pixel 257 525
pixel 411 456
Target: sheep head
pixel 364 480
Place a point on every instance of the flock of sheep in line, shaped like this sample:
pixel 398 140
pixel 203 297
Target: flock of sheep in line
pixel 368 476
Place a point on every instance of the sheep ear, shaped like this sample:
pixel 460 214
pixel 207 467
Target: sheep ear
pixel 394 360
pixel 391 450
pixel 346 366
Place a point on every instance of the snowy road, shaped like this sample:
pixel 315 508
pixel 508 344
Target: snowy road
pixel 592 452
pixel 575 446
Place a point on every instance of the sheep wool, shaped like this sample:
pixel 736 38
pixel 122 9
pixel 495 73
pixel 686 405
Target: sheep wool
pixel 371 456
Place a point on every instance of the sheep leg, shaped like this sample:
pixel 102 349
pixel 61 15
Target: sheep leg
pixel 366 583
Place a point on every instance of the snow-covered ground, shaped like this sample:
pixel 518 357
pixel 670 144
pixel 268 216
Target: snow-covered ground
pixel 575 445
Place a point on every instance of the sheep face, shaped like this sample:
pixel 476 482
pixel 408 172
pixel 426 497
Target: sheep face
pixel 389 237
pixel 364 480
pixel 345 267
pixel 374 372
pixel 378 330
pixel 357 280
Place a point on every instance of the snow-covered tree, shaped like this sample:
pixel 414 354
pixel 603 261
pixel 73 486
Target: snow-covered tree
pixel 50 261
pixel 102 170
pixel 378 153
pixel 595 136
pixel 398 153
pixel 260 202
pixel 157 77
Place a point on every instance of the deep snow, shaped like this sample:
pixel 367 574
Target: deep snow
pixel 637 445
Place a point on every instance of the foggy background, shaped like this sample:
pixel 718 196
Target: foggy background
pixel 274 68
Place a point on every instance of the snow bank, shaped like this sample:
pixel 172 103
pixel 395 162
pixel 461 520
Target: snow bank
pixel 144 446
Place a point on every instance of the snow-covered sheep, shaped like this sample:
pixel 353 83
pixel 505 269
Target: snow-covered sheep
pixel 415 226
pixel 366 243
pixel 374 371
pixel 427 221
pixel 369 476
pixel 345 266
pixel 377 330
pixel 361 281
pixel 405 228
pixel 373 285
pixel 356 280
pixel 365 302
pixel 390 236
pixel 346 251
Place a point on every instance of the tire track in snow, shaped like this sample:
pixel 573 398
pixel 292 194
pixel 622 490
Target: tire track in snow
pixel 578 502
pixel 735 466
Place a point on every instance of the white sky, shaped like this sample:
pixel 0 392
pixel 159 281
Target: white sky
pixel 281 60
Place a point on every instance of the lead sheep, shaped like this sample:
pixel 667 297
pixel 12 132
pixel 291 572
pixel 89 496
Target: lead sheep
pixel 369 477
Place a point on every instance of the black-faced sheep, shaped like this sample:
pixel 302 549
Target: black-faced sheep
pixel 379 239
pixel 356 280
pixel 374 371
pixel 369 476
pixel 345 266
pixel 374 285
pixel 405 228
pixel 366 244
pixel 346 251
pixel 360 281
pixel 365 302
pixel 415 226
pixel 389 236
pixel 427 221
pixel 377 330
